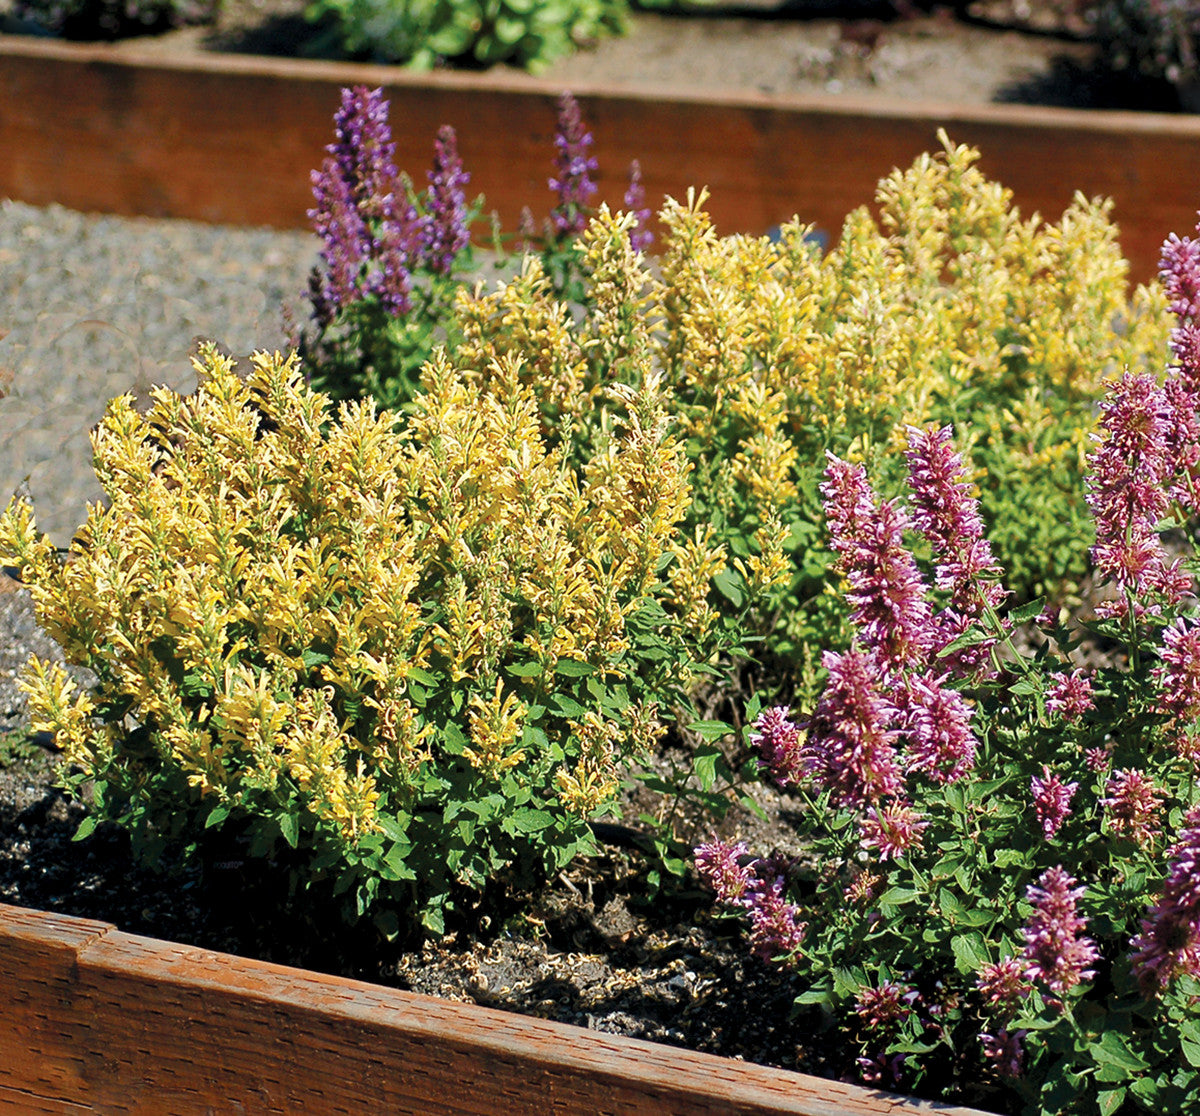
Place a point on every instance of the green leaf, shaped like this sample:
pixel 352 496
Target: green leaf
pixel 85 828
pixel 711 730
pixel 1027 611
pixel 289 826
pixel 567 706
pixel 1191 1051
pixel 894 896
pixel 530 820
pixel 423 676
pixel 705 765
pixel 313 658
pixel 1110 1100
pixel 970 952
pixel 729 585
pixel 216 816
pixel 524 670
pixel 572 668
pixel 1113 1050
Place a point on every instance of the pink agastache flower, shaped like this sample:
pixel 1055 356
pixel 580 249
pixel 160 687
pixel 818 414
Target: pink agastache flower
pixel 1005 1051
pixel 1098 759
pixel 885 591
pixel 1003 985
pixel 893 829
pixel 851 739
pixel 1183 442
pixel 1132 803
pixel 1128 491
pixel 884 1007
pixel 1069 694
pixel 776 928
pixel 1169 942
pixel 1055 950
pixel 1179 270
pixel 937 722
pixel 1178 678
pixel 722 866
pixel 779 743
pixel 947 514
pixel 1051 801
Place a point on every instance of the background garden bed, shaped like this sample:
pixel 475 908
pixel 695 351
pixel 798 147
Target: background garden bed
pixel 232 138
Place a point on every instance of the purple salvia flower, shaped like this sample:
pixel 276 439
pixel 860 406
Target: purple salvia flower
pixel 1127 489
pixel 1005 1051
pixel 573 168
pixel 369 233
pixel 1178 679
pixel 346 244
pixel 1169 941
pixel 1069 694
pixel 446 233
pixel 851 742
pixel 779 743
pixel 1003 985
pixel 1051 801
pixel 640 236
pixel 1132 802
pixel 776 928
pixel 947 514
pixel 720 865
pixel 893 829
pixel 885 590
pixel 1055 950
pixel 937 722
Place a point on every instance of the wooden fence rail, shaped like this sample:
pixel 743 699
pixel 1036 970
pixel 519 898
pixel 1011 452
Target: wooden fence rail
pixel 96 1020
pixel 227 138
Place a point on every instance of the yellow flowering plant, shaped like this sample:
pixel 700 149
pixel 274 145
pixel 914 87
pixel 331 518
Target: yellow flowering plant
pixel 404 658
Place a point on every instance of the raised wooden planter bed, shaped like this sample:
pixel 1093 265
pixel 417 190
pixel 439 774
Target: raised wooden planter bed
pixel 232 138
pixel 96 1020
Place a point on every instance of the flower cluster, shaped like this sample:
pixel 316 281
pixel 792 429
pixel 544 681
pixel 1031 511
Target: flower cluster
pixel 446 233
pixel 370 233
pixel 640 236
pixel 1056 952
pixel 573 167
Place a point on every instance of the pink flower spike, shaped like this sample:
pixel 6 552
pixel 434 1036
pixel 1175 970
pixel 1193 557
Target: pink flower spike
pixel 776 928
pixel 1132 801
pixel 1069 694
pixel 938 723
pixel 1055 951
pixel 947 514
pixel 1005 1051
pixel 1003 984
pixel 1179 676
pixel 1051 801
pixel 851 739
pixel 779 742
pixel 1169 942
pixel 885 590
pixel 883 1007
pixel 720 866
pixel 893 829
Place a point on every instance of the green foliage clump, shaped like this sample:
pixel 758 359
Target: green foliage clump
pixel 408 661
pixel 424 33
pixel 1157 39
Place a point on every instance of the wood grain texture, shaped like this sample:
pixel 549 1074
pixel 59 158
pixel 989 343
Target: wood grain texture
pixel 225 138
pixel 96 1020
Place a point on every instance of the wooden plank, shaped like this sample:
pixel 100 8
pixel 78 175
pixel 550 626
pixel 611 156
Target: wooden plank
pixel 114 1022
pixel 228 138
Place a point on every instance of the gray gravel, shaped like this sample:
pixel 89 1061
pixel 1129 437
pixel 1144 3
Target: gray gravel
pixel 99 305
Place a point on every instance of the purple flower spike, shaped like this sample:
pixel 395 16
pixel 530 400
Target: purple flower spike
pixel 883 1008
pixel 1051 801
pixel 640 236
pixel 1002 985
pixel 573 169
pixel 1169 942
pixel 1055 951
pixel 1132 801
pixel 446 234
pixel 776 928
pixel 369 233
pixel 885 591
pixel 851 739
pixel 1069 694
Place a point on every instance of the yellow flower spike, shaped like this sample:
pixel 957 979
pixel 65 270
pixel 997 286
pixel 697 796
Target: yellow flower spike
pixel 593 781
pixel 58 706
pixel 495 725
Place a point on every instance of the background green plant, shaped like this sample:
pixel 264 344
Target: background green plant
pixel 423 33
pixel 113 19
